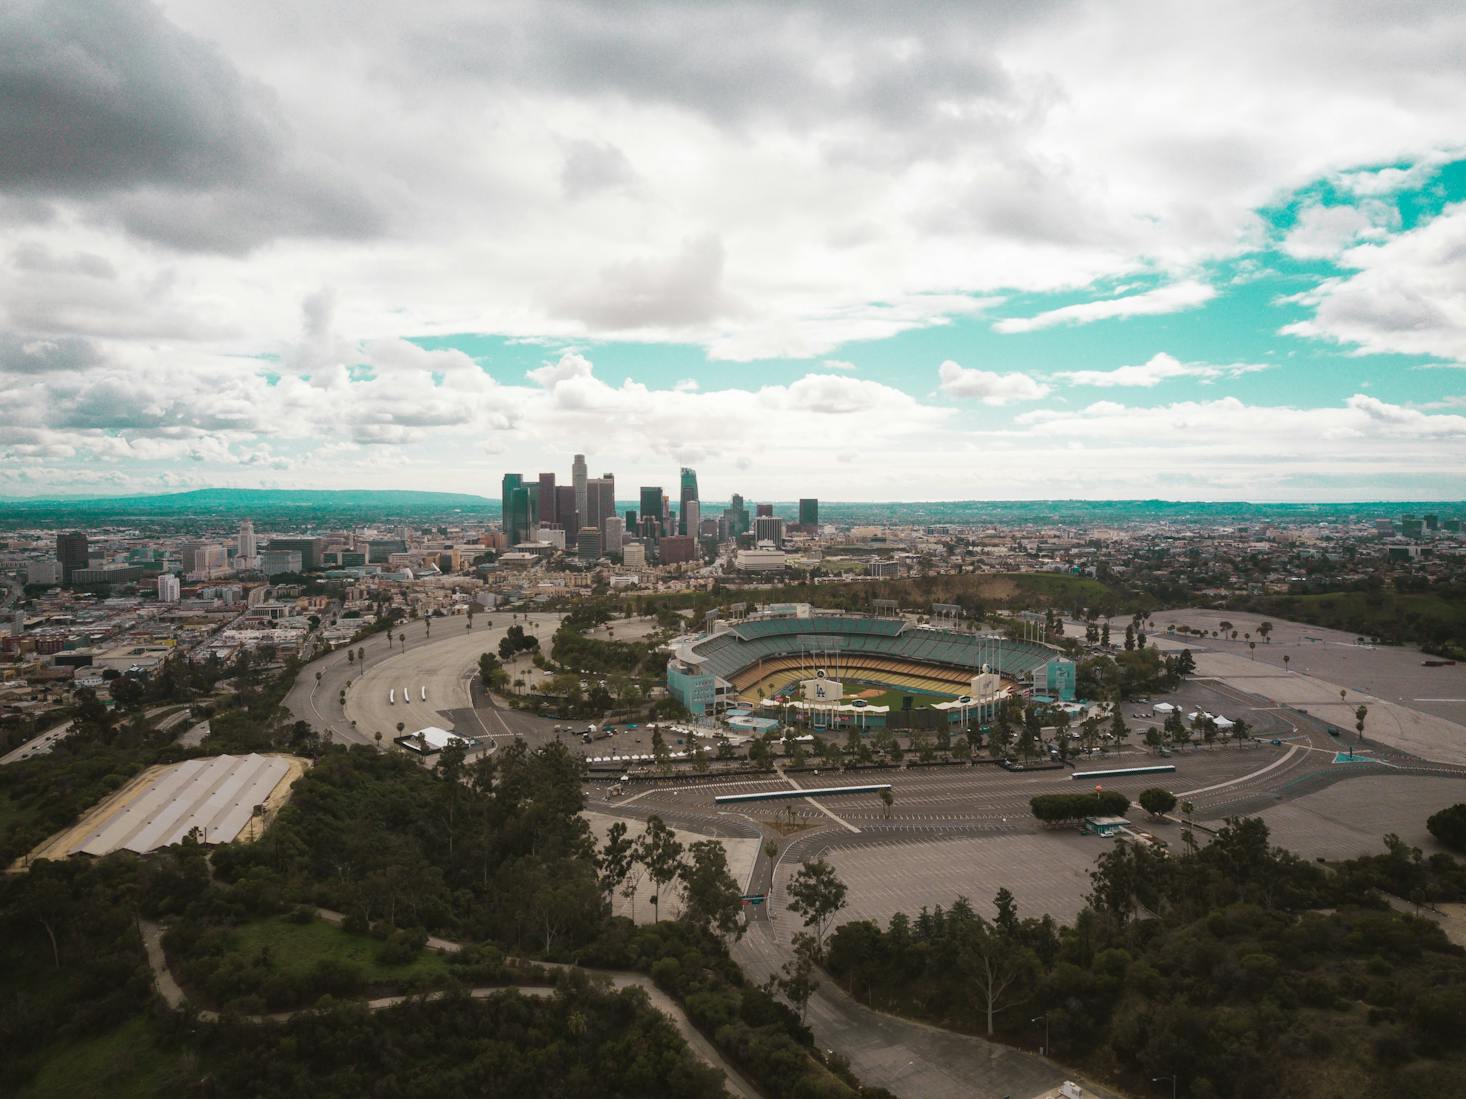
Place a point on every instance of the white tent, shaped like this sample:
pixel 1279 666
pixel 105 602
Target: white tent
pixel 1223 723
pixel 1164 708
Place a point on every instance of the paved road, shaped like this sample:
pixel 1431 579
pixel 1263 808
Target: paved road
pixel 911 1059
pixel 441 656
pixel 174 996
pixel 37 745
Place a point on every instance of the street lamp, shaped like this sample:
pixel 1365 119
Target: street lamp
pixel 1045 1017
pixel 1172 1078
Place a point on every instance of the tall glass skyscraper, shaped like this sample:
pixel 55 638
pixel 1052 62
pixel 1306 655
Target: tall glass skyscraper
pixel 689 492
pixel 651 506
pixel 511 482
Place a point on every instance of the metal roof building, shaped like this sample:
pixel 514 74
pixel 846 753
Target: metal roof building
pixel 216 795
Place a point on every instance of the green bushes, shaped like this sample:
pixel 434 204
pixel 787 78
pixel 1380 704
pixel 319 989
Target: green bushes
pixel 1449 826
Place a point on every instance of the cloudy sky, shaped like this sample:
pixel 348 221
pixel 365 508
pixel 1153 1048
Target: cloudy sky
pixel 858 251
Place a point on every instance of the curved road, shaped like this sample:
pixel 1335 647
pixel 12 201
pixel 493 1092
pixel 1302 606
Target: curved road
pixel 441 657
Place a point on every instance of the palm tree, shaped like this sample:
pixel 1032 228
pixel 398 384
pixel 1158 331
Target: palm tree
pixel 1252 647
pixel 1285 662
pixel 318 678
pixel 771 852
pixel 378 738
pixel 887 799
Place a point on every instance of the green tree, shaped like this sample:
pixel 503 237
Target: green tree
pixel 711 898
pixel 660 851
pixel 1157 801
pixel 816 893
pixel 1449 826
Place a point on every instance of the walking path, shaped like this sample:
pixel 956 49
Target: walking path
pixel 174 996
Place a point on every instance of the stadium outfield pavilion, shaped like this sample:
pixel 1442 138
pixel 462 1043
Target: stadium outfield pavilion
pixel 800 660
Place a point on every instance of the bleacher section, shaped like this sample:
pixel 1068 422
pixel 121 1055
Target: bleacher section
pixel 750 651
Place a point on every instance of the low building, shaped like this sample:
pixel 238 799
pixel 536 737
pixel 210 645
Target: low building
pixel 760 560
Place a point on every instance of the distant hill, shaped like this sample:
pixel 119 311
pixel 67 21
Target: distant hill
pixel 298 506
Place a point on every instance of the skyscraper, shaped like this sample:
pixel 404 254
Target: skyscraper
pixel 763 509
pixel 689 492
pixel 809 513
pixel 691 517
pixel 600 501
pixel 612 530
pixel 522 520
pixel 246 547
pixel 578 478
pixel 511 482
pixel 565 513
pixel 71 551
pixel 549 499
pixel 651 507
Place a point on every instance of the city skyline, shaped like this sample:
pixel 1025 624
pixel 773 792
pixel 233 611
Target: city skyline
pixel 969 254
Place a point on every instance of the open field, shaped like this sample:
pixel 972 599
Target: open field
pixel 296 948
pixel 1394 616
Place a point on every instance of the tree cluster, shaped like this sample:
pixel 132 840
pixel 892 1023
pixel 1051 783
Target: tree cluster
pixel 1240 968
pixel 1068 808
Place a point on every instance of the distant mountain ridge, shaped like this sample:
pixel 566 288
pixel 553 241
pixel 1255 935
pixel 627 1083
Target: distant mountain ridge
pixel 299 506
pixel 315 504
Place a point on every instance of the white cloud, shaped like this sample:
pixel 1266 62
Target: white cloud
pixel 1159 368
pixel 986 386
pixel 838 364
pixel 1172 298
pixel 1322 232
pixel 1406 295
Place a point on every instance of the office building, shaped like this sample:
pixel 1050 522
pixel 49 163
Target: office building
pixel 651 509
pixel 107 574
pixel 566 516
pixel 768 528
pixel 1432 522
pixel 630 518
pixel 43 572
pixel 588 544
pixel 759 560
pixel 203 559
pixel 522 516
pixel 308 548
pixel 613 529
pixel 553 536
pixel 809 514
pixel 548 500
pixel 71 553
pixel 633 555
pixel 676 549
pixel 273 561
pixel 169 589
pixel 510 482
pixel 691 518
pixel 763 510
pixel 578 478
pixel 600 501
pixel 246 546
pixel 689 493
pixel 737 516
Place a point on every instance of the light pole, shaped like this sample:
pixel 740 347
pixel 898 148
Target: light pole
pixel 1171 1077
pixel 1045 1017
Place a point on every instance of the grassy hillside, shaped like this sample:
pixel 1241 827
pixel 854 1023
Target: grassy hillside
pixel 974 592
pixel 1435 619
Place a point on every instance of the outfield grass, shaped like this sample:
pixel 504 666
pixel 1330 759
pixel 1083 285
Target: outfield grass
pixel 295 948
pixel 125 1063
pixel 892 698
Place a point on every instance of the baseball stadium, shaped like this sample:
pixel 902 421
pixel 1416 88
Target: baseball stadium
pixel 833 669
